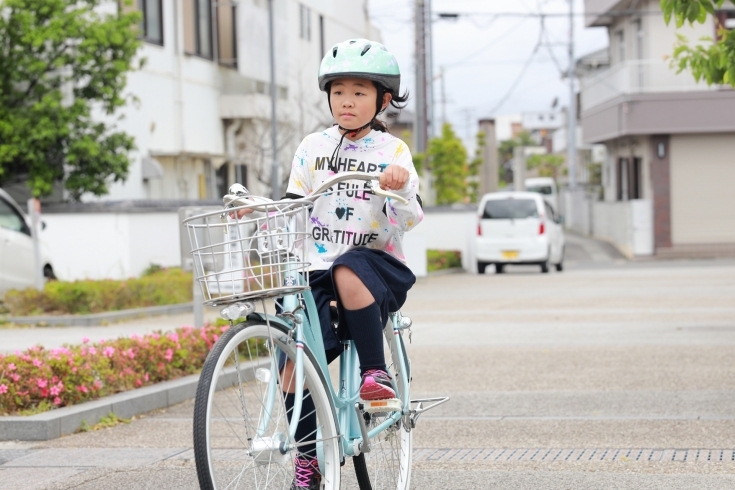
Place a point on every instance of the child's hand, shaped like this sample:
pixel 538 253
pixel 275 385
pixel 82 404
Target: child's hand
pixel 240 213
pixel 393 178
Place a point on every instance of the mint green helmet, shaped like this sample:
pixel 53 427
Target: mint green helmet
pixel 360 58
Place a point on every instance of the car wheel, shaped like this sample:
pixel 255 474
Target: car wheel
pixel 481 267
pixel 499 268
pixel 560 265
pixel 48 273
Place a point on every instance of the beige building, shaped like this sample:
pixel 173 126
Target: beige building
pixel 670 168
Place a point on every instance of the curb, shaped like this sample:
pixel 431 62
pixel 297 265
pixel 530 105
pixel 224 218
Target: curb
pixel 94 319
pixel 56 423
pixel 443 272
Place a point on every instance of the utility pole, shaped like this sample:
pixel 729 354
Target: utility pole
pixel 429 33
pixel 421 113
pixel 444 98
pixel 572 115
pixel 275 168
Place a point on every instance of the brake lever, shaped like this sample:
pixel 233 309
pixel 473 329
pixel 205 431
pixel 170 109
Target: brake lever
pixel 379 191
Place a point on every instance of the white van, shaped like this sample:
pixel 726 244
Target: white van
pixel 546 187
pixel 518 228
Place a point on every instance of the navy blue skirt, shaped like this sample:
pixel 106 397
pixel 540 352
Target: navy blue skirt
pixel 387 278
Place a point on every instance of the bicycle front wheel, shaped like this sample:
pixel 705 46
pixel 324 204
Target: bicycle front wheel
pixel 241 424
pixel 388 464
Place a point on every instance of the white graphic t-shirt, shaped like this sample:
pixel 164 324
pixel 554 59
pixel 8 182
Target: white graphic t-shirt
pixel 352 216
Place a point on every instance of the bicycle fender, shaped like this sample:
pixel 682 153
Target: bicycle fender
pixel 270 318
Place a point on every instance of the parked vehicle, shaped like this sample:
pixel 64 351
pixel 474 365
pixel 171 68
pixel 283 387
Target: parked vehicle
pixel 546 186
pixel 518 228
pixel 17 258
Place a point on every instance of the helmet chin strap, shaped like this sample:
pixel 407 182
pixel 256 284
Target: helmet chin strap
pixel 352 133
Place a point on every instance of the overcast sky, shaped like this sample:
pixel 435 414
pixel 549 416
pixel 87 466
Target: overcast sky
pixel 485 53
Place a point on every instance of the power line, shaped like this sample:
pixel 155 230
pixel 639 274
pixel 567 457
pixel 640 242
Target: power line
pixel 491 43
pixel 520 75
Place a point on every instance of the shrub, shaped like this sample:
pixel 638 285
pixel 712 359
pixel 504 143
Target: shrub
pixel 443 259
pixel 39 379
pixel 159 287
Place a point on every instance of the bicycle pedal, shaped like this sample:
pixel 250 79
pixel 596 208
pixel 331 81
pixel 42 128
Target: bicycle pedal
pixel 376 406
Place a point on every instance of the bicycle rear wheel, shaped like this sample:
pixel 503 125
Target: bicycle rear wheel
pixel 388 464
pixel 240 418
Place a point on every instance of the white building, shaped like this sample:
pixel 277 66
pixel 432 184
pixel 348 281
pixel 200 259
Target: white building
pixel 204 115
pixel 670 141
pixel 202 122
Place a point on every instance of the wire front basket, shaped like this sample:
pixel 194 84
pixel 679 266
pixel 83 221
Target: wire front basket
pixel 260 255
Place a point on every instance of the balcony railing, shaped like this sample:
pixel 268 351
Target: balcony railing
pixel 637 77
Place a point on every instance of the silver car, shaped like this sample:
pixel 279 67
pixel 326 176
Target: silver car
pixel 17 260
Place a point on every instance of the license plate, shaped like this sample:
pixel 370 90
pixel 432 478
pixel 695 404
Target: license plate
pixel 509 254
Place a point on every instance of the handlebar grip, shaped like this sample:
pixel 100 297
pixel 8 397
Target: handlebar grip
pixel 341 177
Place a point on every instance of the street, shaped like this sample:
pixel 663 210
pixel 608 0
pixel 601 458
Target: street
pixel 608 375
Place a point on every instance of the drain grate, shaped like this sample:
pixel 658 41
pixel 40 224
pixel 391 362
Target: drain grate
pixel 574 455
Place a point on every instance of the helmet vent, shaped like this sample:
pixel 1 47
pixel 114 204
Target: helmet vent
pixel 365 49
pixel 334 52
pixel 353 41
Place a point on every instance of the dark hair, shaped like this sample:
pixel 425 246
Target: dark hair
pixel 397 101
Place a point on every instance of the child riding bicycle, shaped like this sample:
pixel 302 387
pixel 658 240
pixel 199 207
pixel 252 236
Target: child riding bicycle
pixel 355 244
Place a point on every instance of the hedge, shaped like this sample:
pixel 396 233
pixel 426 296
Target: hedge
pixel 42 379
pixel 160 287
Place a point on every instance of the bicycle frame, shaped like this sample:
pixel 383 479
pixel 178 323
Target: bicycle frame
pixel 343 401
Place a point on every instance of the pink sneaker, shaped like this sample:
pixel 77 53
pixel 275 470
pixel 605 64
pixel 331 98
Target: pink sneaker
pixel 376 385
pixel 306 474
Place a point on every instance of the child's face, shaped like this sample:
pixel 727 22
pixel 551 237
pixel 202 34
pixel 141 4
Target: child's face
pixel 353 101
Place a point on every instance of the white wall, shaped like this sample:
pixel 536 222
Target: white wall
pixel 110 245
pixel 450 230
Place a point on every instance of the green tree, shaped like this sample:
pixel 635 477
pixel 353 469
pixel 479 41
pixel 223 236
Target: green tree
pixel 447 158
pixel 548 164
pixel 505 155
pixel 715 60
pixel 59 59
pixel 473 169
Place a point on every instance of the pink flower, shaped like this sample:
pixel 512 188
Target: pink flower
pixel 3 389
pixel 130 353
pixel 92 350
pixel 57 401
pixel 37 362
pixel 55 391
pixel 174 337
pixel 14 377
pixel 42 383
pixel 109 351
pixel 138 382
pixel 135 336
pixel 102 341
pixel 169 355
pixel 82 388
pixel 97 384
pixel 11 366
pixel 85 340
pixel 146 377
pixel 215 337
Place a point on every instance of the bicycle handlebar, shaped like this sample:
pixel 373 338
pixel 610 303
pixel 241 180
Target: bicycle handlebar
pixel 259 203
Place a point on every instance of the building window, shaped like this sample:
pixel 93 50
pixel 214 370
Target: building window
pixel 724 19
pixel 305 24
pixel 629 179
pixel 227 34
pixel 199 30
pixel 151 27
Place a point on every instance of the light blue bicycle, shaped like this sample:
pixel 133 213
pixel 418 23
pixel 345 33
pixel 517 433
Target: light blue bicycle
pixel 244 437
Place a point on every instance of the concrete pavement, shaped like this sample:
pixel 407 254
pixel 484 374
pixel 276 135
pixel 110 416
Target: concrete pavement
pixel 606 376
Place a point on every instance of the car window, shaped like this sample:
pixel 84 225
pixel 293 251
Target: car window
pixel 10 219
pixel 510 209
pixel 540 189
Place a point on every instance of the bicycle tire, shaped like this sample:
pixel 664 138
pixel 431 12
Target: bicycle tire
pixel 222 455
pixel 388 464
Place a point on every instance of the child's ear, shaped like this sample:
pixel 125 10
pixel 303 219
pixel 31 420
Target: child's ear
pixel 387 97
